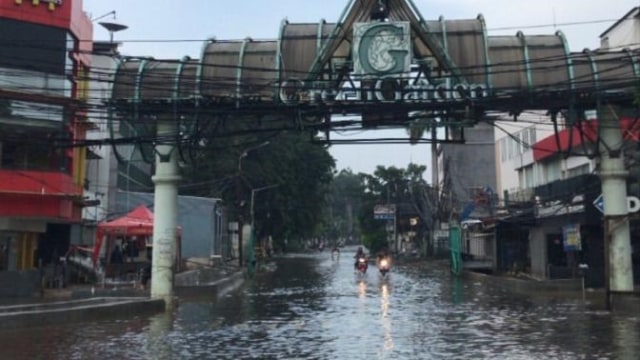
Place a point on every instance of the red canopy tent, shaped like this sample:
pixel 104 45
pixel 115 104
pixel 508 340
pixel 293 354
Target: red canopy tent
pixel 138 222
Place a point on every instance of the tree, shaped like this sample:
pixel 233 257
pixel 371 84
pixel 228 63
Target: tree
pixel 343 200
pixel 406 189
pixel 294 172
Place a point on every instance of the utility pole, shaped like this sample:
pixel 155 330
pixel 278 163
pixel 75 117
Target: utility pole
pixel 251 260
pixel 617 243
pixel 435 180
pixel 253 195
pixel 244 233
pixel 165 219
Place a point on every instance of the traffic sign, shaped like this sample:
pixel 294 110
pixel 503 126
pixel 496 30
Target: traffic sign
pixel 633 204
pixel 384 212
pixel 599 203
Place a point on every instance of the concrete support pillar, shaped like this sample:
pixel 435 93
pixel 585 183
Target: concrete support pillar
pixel 165 211
pixel 614 192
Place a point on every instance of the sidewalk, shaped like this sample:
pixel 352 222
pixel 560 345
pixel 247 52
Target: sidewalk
pixel 85 302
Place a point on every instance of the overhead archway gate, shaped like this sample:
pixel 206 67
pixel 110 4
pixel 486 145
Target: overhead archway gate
pixel 382 63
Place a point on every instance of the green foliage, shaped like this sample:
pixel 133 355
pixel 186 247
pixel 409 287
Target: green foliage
pixel 388 186
pixel 344 200
pixel 285 173
pixel 374 233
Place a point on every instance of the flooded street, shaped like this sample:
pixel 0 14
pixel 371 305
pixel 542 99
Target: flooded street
pixel 310 307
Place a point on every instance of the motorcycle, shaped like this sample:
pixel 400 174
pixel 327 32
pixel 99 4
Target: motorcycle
pixel 335 254
pixel 362 265
pixel 384 265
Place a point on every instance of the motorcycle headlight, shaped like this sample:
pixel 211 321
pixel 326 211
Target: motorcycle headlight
pixel 362 260
pixel 383 263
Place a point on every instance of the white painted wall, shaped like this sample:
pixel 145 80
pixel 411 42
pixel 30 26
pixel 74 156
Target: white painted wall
pixel 511 157
pixel 625 34
pixel 99 173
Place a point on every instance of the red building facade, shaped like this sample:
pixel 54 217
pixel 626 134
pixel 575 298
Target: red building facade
pixel 44 66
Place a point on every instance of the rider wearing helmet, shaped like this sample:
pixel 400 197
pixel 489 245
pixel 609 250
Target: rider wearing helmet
pixel 359 254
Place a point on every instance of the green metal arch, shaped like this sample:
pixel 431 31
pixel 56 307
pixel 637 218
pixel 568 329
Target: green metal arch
pixel 139 75
pixel 278 84
pixel 176 85
pixel 527 61
pixel 315 70
pixel 138 99
pixel 319 35
pixel 443 28
pixel 176 97
pixel 634 62
pixel 567 53
pixel 110 115
pixel 455 71
pixel 594 71
pixel 572 78
pixel 243 48
pixel 487 60
pixel 200 70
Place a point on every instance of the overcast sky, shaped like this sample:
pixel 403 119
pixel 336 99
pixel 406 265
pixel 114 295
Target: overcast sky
pixel 175 28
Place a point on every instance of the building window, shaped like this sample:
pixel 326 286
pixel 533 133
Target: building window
pixel 22 111
pixel 511 145
pixel 553 171
pixel 26 155
pixel 34 82
pixel 526 177
pixel 577 171
pixel 532 136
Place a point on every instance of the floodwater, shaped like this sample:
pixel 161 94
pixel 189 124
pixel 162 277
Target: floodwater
pixel 311 307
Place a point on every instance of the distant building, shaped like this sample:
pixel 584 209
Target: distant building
pixel 44 87
pixel 624 33
pixel 470 169
pixel 101 177
pixel 552 220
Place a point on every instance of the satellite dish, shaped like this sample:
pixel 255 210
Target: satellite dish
pixel 113 27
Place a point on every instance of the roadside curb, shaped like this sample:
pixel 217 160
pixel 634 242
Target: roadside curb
pixel 564 288
pixel 88 304
pixel 190 285
pixel 63 312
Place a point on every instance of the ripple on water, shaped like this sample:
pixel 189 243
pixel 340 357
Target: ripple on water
pixel 313 308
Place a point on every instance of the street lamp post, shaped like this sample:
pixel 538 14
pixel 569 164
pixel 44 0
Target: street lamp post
pixel 246 152
pixel 251 254
pixel 253 194
pixel 241 234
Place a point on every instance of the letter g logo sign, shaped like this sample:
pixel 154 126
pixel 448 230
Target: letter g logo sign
pixel 382 49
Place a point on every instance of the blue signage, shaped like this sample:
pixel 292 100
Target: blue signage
pixel 599 203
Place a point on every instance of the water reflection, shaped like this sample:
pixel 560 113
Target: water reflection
pixel 626 332
pixel 362 289
pixel 160 329
pixel 385 318
pixel 312 307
